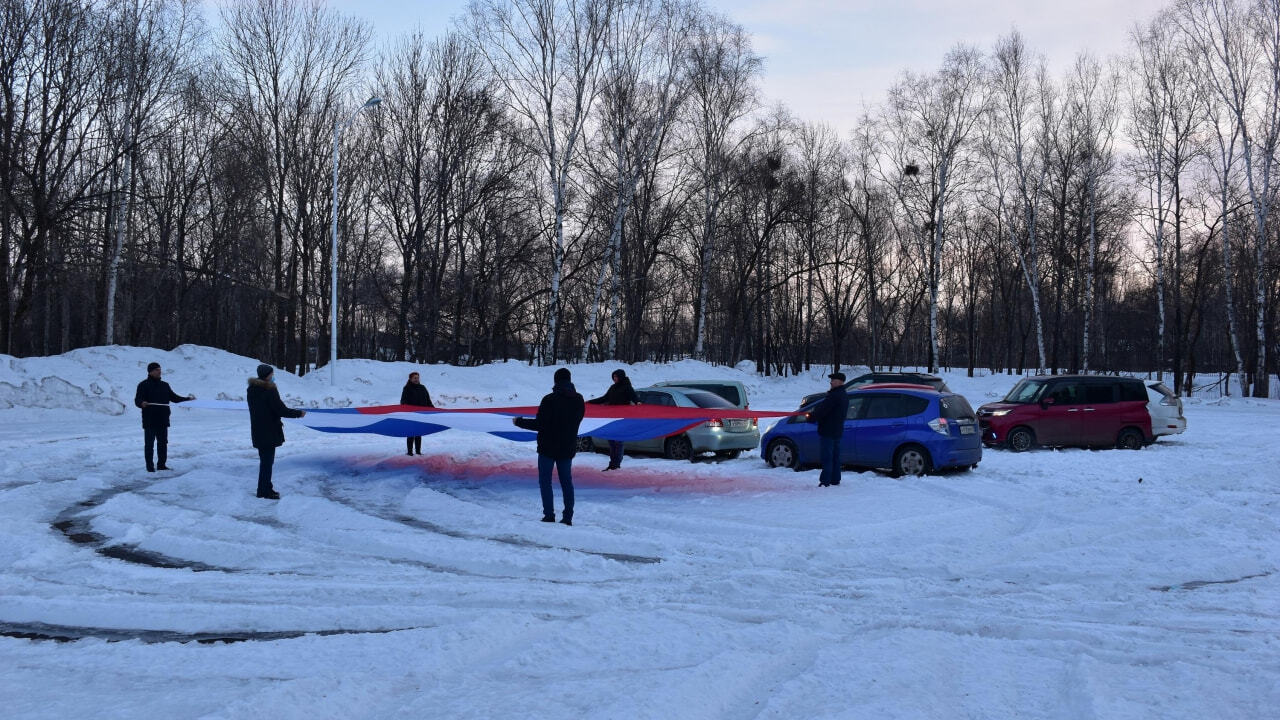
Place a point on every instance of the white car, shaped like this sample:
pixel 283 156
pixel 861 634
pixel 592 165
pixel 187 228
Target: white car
pixel 1165 409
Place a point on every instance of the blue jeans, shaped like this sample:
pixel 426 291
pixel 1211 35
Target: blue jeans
pixel 829 453
pixel 564 469
pixel 615 453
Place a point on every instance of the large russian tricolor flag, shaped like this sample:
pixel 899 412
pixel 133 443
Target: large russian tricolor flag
pixel 607 422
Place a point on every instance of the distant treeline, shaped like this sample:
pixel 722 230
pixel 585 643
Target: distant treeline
pixel 566 179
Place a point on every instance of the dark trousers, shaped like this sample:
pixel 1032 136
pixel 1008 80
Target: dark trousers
pixel 413 444
pixel 615 453
pixel 157 439
pixel 266 458
pixel 564 469
pixel 829 453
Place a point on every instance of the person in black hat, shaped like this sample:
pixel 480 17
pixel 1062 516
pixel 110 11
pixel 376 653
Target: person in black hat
pixel 265 410
pixel 830 415
pixel 153 398
pixel 559 415
pixel 619 393
pixel 415 394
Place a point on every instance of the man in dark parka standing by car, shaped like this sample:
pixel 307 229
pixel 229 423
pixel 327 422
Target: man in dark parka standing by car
pixel 265 410
pixel 559 415
pixel 619 393
pixel 830 415
pixel 153 397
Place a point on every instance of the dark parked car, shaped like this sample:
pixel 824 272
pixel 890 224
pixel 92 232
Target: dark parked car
pixel 1075 410
pixel 909 378
pixel 909 429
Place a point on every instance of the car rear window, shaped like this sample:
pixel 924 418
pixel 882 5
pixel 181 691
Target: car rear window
pixel 650 397
pixel 1133 390
pixel 955 407
pixel 728 392
pixel 709 400
pixel 1161 388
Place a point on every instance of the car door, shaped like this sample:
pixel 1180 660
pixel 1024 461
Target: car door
pixel 878 430
pixel 849 440
pixel 651 445
pixel 1099 419
pixel 1059 420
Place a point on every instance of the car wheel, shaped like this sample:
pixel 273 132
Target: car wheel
pixel 911 460
pixel 783 453
pixel 585 444
pixel 729 454
pixel 679 448
pixel 1129 439
pixel 1021 439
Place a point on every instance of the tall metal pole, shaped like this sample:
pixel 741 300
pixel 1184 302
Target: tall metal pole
pixel 338 129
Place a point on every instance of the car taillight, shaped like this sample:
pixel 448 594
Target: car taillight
pixel 755 422
pixel 716 422
pixel 940 426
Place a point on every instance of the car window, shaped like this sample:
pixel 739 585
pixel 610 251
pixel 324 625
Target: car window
pixel 1099 393
pixel 956 408
pixel 1066 393
pixel 1158 387
pixel 880 407
pixel 1133 390
pixel 705 399
pixel 649 397
pixel 1026 391
pixel 855 407
pixel 728 392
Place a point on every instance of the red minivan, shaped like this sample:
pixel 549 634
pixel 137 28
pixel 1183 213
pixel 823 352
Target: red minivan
pixel 1077 410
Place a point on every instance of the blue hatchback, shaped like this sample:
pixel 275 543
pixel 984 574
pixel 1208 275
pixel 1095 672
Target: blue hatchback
pixel 912 430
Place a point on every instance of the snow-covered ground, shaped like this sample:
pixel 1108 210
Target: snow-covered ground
pixel 1051 584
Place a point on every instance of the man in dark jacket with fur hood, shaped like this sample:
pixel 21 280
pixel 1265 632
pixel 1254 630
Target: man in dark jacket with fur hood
pixel 559 415
pixel 265 410
pixel 619 393
pixel 153 397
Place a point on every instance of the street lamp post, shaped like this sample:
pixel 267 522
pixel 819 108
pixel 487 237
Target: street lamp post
pixel 333 260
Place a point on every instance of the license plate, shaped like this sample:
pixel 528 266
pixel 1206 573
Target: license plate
pixel 966 429
pixel 738 424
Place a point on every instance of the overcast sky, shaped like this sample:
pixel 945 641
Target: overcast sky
pixel 826 59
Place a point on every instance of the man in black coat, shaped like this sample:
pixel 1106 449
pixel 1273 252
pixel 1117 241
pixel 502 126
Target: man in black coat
pixel 415 393
pixel 559 415
pixel 265 410
pixel 830 416
pixel 153 397
pixel 619 393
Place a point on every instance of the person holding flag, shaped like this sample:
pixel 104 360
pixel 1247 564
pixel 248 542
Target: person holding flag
pixel 153 398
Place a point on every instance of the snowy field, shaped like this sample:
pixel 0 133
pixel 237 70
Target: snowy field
pixel 1052 584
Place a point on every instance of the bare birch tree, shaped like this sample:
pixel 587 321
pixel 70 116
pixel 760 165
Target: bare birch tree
pixel 548 56
pixel 722 74
pixel 643 86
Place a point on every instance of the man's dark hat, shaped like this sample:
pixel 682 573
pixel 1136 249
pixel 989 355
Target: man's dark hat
pixel 264 371
pixel 837 376
pixel 153 366
pixel 562 375
pixel 619 373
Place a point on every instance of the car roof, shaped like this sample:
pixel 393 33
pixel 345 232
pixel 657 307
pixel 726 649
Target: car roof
pixel 896 386
pixel 1077 376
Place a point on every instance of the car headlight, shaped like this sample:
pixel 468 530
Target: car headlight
pixel 1000 413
